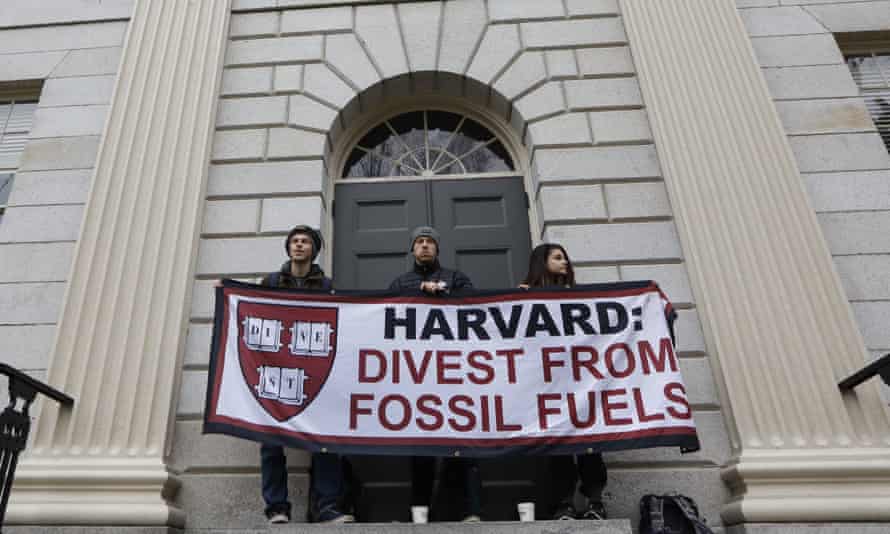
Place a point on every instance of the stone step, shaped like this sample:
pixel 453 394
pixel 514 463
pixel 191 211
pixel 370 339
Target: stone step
pixel 611 526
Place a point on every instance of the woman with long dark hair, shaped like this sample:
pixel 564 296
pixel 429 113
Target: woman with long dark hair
pixel 550 266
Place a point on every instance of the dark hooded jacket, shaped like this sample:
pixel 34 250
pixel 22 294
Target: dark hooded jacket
pixel 315 279
pixel 410 282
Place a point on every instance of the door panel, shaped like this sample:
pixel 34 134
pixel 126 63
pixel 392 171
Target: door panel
pixel 490 268
pixel 373 224
pixel 484 225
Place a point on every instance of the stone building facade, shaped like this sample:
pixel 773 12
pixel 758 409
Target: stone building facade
pixel 722 149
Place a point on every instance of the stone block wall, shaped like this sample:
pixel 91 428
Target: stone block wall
pixel 73 68
pixel 66 59
pixel 558 75
pixel 299 73
pixel 844 164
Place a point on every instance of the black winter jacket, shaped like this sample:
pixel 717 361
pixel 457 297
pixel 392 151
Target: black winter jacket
pixel 410 282
pixel 315 279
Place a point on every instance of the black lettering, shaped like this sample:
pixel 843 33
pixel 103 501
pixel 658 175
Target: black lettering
pixel 539 320
pixel 471 319
pixel 575 313
pixel 507 331
pixel 606 326
pixel 409 323
pixel 436 325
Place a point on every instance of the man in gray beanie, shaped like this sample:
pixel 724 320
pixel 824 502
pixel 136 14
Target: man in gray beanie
pixel 431 278
pixel 428 275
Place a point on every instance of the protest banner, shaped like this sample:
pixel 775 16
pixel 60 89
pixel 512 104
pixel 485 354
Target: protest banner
pixel 490 373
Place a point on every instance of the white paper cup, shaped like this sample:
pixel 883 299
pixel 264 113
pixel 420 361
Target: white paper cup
pixel 526 511
pixel 420 514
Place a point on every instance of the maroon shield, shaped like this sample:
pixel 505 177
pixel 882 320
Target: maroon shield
pixel 286 353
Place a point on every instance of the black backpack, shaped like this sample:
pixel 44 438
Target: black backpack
pixel 670 514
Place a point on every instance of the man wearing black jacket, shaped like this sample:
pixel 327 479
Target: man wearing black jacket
pixel 326 477
pixel 429 277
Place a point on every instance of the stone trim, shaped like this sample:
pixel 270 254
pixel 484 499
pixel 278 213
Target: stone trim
pixel 775 316
pixel 121 332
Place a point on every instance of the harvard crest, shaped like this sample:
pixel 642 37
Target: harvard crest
pixel 286 354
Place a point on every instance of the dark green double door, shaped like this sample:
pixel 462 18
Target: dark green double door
pixel 485 233
pixel 483 224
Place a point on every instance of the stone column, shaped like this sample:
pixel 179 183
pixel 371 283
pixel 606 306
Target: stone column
pixel 124 318
pixel 775 316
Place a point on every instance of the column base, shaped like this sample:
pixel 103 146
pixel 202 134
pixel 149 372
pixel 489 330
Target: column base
pixel 808 485
pixel 94 491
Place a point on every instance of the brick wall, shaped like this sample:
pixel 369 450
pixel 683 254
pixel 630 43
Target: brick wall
pixel 844 164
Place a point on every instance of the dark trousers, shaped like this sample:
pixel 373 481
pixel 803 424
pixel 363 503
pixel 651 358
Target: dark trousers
pixel 326 481
pixel 273 471
pixel 423 475
pixel 565 472
pixel 326 484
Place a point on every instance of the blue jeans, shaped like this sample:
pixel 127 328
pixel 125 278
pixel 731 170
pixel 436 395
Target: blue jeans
pixel 326 481
pixel 273 471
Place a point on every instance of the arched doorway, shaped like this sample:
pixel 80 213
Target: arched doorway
pixel 430 167
pixel 455 170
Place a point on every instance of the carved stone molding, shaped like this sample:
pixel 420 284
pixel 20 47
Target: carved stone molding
pixel 775 316
pixel 124 318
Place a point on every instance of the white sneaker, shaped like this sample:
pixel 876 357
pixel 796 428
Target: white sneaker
pixel 278 519
pixel 472 518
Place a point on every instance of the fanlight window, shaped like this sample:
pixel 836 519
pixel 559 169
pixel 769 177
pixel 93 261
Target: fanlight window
pixel 871 72
pixel 427 143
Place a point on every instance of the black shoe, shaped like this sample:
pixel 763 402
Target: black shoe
pixel 595 510
pixel 564 512
pixel 332 515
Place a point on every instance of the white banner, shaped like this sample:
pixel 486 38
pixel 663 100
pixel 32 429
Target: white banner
pixel 547 371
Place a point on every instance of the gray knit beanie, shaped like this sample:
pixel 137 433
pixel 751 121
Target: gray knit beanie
pixel 423 231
